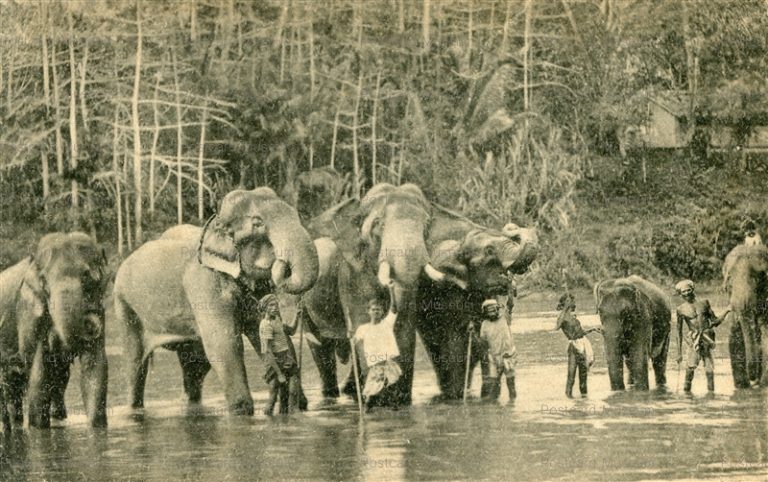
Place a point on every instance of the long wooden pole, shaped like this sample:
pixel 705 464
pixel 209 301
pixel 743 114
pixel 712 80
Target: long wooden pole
pixel 355 369
pixel 138 234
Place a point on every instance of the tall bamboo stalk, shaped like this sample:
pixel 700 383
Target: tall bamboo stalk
pixel 44 40
pixel 425 23
pixel 135 121
pixel 335 132
pixel 355 127
pixel 179 140
pixel 72 110
pixel 153 149
pixel 46 177
pixel 83 68
pixel 200 159
pixel 373 128
pixel 56 108
pixel 118 187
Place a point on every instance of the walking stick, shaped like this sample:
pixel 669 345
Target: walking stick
pixel 466 372
pixel 677 384
pixel 355 369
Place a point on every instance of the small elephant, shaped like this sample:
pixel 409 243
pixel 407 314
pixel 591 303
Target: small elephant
pixel 51 312
pixel 316 190
pixel 745 272
pixel 636 316
pixel 196 291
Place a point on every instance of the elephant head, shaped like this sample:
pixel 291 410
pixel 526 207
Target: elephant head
pixel 258 237
pixel 745 273
pixel 65 282
pixel 477 258
pixel 315 190
pixel 382 234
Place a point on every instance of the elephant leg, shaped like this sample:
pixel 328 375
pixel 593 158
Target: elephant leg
pixel 738 357
pixel 14 397
pixel 38 391
pixel 638 366
pixel 660 365
pixel 194 367
pixel 60 379
pixel 93 383
pixel 136 364
pixel 615 361
pixel 325 360
pixel 751 346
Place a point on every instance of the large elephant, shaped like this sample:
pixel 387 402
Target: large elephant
pixel 197 294
pixel 387 236
pixel 745 273
pixel 51 312
pixel 636 316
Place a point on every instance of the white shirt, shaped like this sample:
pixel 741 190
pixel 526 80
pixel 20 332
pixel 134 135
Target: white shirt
pixel 379 343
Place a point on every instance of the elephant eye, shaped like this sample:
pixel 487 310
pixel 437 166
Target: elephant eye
pixel 490 251
pixel 257 222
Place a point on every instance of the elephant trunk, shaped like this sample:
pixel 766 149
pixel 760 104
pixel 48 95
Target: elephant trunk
pixel 744 303
pixel 296 264
pixel 517 259
pixel 403 252
pixel 67 309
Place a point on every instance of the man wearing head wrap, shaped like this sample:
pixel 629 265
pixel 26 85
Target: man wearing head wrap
pixel 751 236
pixel 698 317
pixel 580 354
pixel 281 374
pixel 500 355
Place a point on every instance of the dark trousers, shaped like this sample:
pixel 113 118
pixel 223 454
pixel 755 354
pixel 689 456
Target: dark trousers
pixel 576 360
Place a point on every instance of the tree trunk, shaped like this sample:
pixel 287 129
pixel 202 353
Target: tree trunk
pixel 46 177
pixel 83 106
pixel 135 121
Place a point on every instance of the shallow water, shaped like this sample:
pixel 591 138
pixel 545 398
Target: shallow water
pixel 541 436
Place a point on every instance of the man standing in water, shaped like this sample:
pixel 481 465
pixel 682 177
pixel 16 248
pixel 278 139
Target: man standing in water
pixel 500 356
pixel 580 354
pixel 379 348
pixel 282 374
pixel 698 317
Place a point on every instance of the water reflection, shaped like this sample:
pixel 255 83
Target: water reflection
pixel 661 434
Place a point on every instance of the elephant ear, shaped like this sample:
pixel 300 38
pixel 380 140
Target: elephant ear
pixel 342 223
pixel 30 310
pixel 217 249
pixel 448 259
pixel 598 293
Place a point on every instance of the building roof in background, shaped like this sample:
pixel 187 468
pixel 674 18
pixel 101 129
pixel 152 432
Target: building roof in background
pixel 676 102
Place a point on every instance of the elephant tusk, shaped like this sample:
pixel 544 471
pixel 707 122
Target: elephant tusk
pixel 279 267
pixel 383 274
pixel 434 273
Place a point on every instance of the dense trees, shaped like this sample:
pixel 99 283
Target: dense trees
pixel 119 114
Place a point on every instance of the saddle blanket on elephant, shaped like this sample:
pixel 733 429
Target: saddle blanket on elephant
pixel 287 365
pixel 381 375
pixel 583 347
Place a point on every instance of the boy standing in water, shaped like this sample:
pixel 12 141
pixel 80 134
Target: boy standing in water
pixel 500 355
pixel 282 373
pixel 698 317
pixel 379 348
pixel 580 354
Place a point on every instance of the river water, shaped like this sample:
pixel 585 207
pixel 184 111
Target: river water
pixel 541 436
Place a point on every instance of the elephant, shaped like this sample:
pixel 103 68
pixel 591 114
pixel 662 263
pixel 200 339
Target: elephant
pixel 636 316
pixel 51 312
pixel 198 294
pixel 314 191
pixel 478 263
pixel 745 273
pixel 386 237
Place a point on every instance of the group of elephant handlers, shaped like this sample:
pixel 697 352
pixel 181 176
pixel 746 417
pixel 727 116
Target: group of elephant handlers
pixel 364 276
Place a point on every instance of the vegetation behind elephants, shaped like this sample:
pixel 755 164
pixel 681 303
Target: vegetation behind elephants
pixel 124 118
